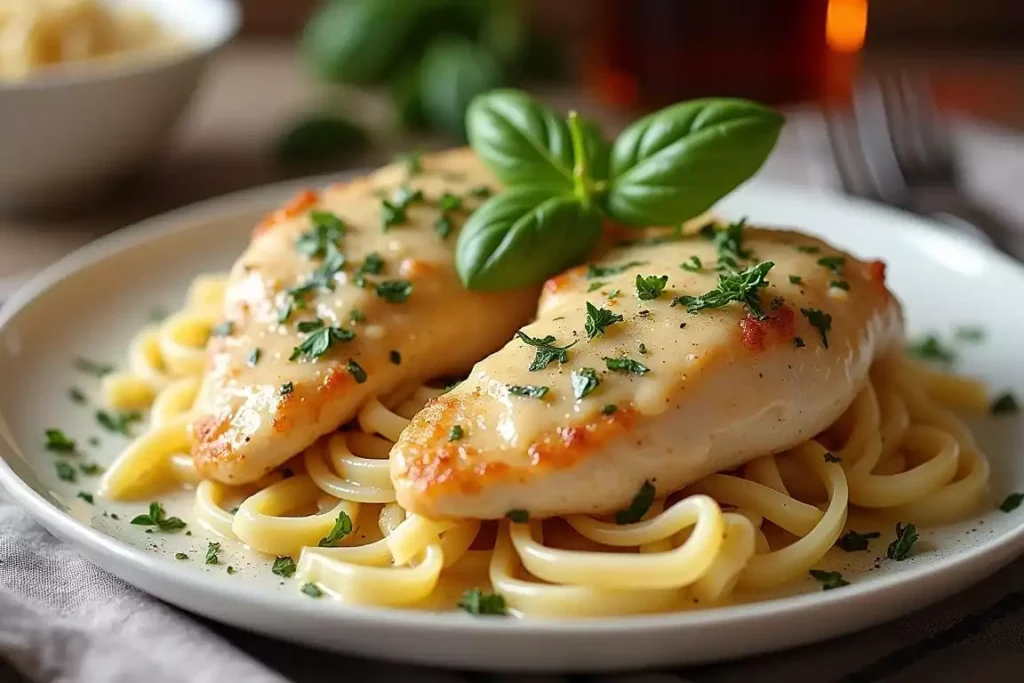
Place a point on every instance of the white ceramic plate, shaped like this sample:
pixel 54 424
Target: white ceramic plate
pixel 91 303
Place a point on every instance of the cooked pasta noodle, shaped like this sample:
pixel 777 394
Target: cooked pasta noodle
pixel 727 537
pixel 36 34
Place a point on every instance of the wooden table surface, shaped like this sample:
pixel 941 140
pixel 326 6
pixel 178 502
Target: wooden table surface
pixel 254 88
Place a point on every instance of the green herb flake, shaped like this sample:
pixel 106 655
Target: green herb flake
pixel 1011 502
pixel 394 291
pixel 829 457
pixel 230 570
pixel 57 442
pixel 829 580
pixel 796 279
pixel 373 264
pixel 972 334
pixel 91 367
pixel 443 226
pixel 342 528
pixel 599 319
pixel 595 271
pixel 213 553
pixel 395 357
pixel 480 192
pixel 480 604
pixel 356 370
pixel 90 469
pixel 76 395
pixel 528 390
pixel 311 590
pixel 626 366
pixel 694 265
pixel 319 340
pixel 87 497
pixel 609 409
pixel 833 263
pixel 806 249
pixel 321 240
pixel 286 389
pixel 798 342
pixel 819 319
pixel 65 472
pixel 642 502
pixel 284 566
pixel 650 287
pixel 906 536
pixel 518 516
pixel 583 381
pixel 119 422
pixel 456 433
pixel 449 202
pixel 840 284
pixel 594 286
pixel 547 351
pixel 180 556
pixel 729 244
pixel 159 519
pixel 931 348
pixel 1005 404
pixel 413 162
pixel 614 293
pixel 743 287
pixel 254 357
pixel 852 541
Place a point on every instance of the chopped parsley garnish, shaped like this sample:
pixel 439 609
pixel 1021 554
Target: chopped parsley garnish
pixel 1011 502
pixel 286 388
pixel 930 348
pixel 694 265
pixel 650 287
pixel 829 580
pixel 626 365
pixel 829 457
pixel 743 286
pixel 254 356
pixel 796 279
pixel 356 370
pixel 595 271
pixel 614 293
pixel 594 286
pixel 394 291
pixel 92 367
pixel 90 469
pixel 76 395
pixel 393 211
pixel 599 319
pixel 1005 404
pixel 395 357
pixel 449 202
pixel 528 390
pixel 478 603
pixel 456 433
pixel 972 334
pixel 840 284
pixel 583 381
pixel 320 338
pixel 230 570
pixel 798 342
pixel 356 316
pixel 57 442
pixel 443 226
pixel 518 516
pixel 373 264
pixel 224 329
pixel 323 277
pixel 547 351
pixel 820 320
pixel 833 263
pixel 311 590
pixel 87 497
pixel 283 566
pixel 805 249
pixel 321 240
pixel 180 556
pixel 118 422
pixel 906 536
pixel 342 528
pixel 159 519
pixel 212 550
pixel 852 541
pixel 609 409
pixel 642 502
pixel 480 192
pixel 729 245
pixel 65 472
pixel 413 162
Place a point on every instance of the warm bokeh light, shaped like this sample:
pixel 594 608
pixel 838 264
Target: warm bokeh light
pixel 846 24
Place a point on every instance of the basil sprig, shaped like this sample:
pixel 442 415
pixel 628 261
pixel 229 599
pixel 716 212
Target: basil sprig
pixel 562 177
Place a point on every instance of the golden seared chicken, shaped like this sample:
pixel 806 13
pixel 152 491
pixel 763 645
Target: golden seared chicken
pixel 343 296
pixel 646 366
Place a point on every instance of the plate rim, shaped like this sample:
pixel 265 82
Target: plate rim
pixel 95 544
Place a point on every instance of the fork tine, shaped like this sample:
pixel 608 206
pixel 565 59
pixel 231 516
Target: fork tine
pixel 846 156
pixel 876 143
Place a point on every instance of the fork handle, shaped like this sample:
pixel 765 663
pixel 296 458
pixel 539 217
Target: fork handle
pixel 972 218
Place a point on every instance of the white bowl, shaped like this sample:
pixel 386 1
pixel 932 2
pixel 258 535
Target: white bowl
pixel 69 132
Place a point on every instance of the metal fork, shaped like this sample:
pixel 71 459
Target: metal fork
pixel 894 148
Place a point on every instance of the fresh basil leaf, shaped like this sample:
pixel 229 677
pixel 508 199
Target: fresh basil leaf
pixel 522 142
pixel 523 237
pixel 319 138
pixel 676 163
pixel 453 71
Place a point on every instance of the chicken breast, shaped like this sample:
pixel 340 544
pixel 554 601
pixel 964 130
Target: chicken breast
pixel 584 406
pixel 342 296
